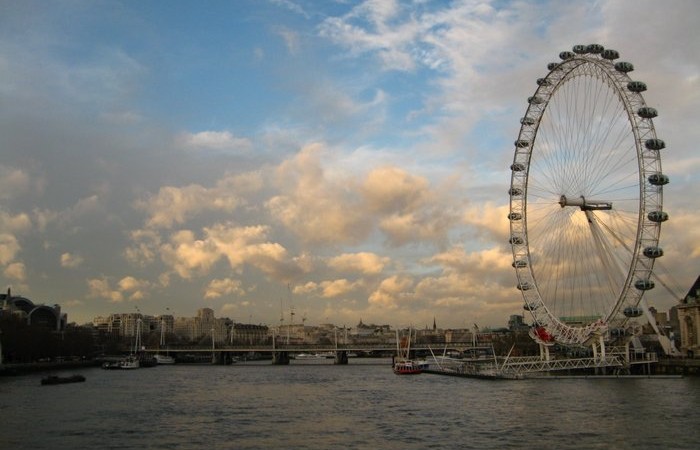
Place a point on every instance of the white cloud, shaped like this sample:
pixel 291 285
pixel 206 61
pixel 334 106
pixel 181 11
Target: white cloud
pixel 19 223
pixel 127 288
pixel 13 182
pixel 291 40
pixel 187 255
pixel 391 189
pixel 314 207
pixel 391 39
pixel 173 205
pixel 215 140
pixel 221 287
pixel 364 262
pixel 71 260
pixel 392 292
pixel 338 288
pixel 16 271
pixel 145 248
pixel 9 248
pixel 100 288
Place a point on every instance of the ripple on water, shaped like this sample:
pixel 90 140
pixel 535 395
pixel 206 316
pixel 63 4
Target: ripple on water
pixel 335 407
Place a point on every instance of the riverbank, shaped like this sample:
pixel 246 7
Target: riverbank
pixel 678 366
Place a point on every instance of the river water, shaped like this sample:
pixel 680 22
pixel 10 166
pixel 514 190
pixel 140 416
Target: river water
pixel 318 405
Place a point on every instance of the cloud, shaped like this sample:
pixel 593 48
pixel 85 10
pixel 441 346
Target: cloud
pixel 365 263
pixel 18 223
pixel 488 220
pixel 10 245
pixel 145 248
pixel 240 246
pixel 322 204
pixel 391 40
pixel 13 182
pixel 291 6
pixel 187 255
pixel 337 288
pixel 392 292
pixel 291 40
pixel 215 140
pixel 127 288
pixel 70 260
pixel 100 288
pixel 313 206
pixel 175 205
pixel 220 287
pixel 131 284
pixel 411 211
pixel 9 248
pixel 249 245
pixel 16 271
pixel 345 106
pixel 391 189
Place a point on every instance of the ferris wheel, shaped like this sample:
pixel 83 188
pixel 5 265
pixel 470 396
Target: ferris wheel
pixel 586 198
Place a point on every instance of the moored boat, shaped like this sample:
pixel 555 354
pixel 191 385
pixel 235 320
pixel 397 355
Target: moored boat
pixel 407 367
pixel 159 358
pixel 111 365
pixel 402 364
pixel 163 359
pixel 308 356
pixel 130 362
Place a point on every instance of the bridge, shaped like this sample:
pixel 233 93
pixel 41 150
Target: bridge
pixel 476 360
pixel 280 352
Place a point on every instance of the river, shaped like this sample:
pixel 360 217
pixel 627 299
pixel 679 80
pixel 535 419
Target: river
pixel 318 405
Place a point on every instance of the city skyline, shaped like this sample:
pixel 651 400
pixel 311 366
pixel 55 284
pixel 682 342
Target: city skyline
pixel 347 160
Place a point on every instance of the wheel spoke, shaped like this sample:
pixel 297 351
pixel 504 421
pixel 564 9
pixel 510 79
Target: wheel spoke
pixel 579 197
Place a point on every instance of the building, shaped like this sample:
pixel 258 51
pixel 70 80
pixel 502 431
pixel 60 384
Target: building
pixel 42 315
pixel 516 322
pixel 242 333
pixel 125 324
pixel 202 326
pixel 689 321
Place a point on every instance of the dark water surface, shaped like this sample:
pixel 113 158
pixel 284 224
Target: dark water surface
pixel 317 405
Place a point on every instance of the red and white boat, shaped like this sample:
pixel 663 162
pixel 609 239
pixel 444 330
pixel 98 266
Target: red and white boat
pixel 407 367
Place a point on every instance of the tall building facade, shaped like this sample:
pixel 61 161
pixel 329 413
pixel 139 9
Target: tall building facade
pixel 689 321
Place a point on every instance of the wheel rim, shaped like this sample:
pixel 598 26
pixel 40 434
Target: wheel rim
pixel 581 197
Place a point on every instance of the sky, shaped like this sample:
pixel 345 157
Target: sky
pixel 347 160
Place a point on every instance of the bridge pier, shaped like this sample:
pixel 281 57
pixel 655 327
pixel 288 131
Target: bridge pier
pixel 341 357
pixel 280 358
pixel 221 358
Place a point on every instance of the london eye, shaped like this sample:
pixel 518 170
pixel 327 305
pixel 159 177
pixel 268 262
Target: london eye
pixel 586 198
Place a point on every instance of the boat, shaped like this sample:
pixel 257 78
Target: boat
pixel 55 379
pixel 158 358
pixel 308 356
pixel 130 362
pixel 163 359
pixel 402 364
pixel 407 367
pixel 111 365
